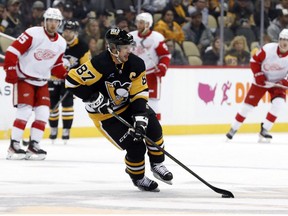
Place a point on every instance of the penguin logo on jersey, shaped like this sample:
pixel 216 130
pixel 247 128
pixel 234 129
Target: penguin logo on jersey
pixel 118 92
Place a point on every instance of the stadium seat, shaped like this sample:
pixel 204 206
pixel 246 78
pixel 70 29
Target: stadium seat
pixel 194 60
pixel 5 43
pixel 190 49
pixel 156 17
pixel 212 23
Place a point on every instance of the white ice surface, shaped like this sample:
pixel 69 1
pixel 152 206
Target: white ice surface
pixel 87 176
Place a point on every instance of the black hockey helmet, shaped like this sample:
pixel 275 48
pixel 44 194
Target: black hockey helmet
pixel 119 37
pixel 71 25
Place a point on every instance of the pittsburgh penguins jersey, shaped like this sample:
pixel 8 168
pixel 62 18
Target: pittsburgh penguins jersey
pixel 124 84
pixel 76 54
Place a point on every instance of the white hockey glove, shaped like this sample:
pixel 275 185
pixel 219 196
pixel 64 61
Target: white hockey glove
pixel 140 126
pixel 98 103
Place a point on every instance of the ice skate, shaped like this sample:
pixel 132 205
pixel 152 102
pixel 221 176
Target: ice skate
pixel 34 152
pixel 15 152
pixel 65 135
pixel 264 136
pixel 162 173
pixel 230 134
pixel 146 184
pixel 53 134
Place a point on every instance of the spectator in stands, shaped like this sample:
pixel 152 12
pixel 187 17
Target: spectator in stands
pixel 93 46
pixel 278 25
pixel 14 24
pixel 266 39
pixel 181 15
pixel 177 56
pixel 170 29
pixel 104 23
pixel 122 23
pixel 197 32
pixel 214 8
pixel 282 4
pixel 238 52
pixel 130 15
pixel 67 14
pixel 270 13
pixel 91 30
pixel 202 6
pixel 211 55
pixel 154 6
pixel 3 16
pixel 80 11
pixel 38 9
pixel 58 4
pixel 241 20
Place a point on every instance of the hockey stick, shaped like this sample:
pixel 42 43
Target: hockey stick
pixel 225 193
pixel 40 79
pixel 60 101
pixel 276 85
pixel 149 56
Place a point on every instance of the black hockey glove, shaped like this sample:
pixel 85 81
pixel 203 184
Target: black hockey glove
pixel 98 103
pixel 140 126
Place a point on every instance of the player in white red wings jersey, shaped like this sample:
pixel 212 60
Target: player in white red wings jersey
pixel 270 68
pixel 29 62
pixel 151 47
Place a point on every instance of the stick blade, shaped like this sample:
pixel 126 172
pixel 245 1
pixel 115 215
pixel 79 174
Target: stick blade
pixel 227 194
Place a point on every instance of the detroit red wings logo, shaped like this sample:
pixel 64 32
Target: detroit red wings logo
pixel 44 54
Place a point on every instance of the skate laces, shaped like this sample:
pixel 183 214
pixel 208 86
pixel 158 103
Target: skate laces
pixel 16 145
pixel 232 132
pixel 66 132
pixel 36 146
pixel 54 131
pixel 144 182
pixel 160 169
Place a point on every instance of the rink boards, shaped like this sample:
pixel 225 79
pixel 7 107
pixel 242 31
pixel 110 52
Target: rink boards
pixel 195 100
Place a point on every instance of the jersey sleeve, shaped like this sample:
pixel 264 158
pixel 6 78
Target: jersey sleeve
pixel 79 79
pixel 58 69
pixel 16 49
pixel 139 90
pixel 256 61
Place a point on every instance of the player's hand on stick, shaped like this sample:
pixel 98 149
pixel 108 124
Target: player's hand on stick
pixel 98 103
pixel 283 82
pixel 260 78
pixel 161 70
pixel 11 75
pixel 139 126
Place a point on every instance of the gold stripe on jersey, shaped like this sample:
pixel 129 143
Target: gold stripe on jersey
pixel 139 88
pixel 85 58
pixel 85 74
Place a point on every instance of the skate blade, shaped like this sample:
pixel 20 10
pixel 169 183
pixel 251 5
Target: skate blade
pixel 159 178
pixel 14 156
pixel 65 142
pixel 53 141
pixel 142 189
pixel 36 157
pixel 264 140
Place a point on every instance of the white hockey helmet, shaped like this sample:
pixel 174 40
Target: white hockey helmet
pixel 53 13
pixel 284 34
pixel 283 44
pixel 146 17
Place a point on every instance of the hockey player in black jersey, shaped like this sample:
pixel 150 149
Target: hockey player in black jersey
pixel 116 79
pixel 77 52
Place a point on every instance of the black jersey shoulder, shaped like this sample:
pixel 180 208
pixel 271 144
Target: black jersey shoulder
pixel 136 64
pixel 78 50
